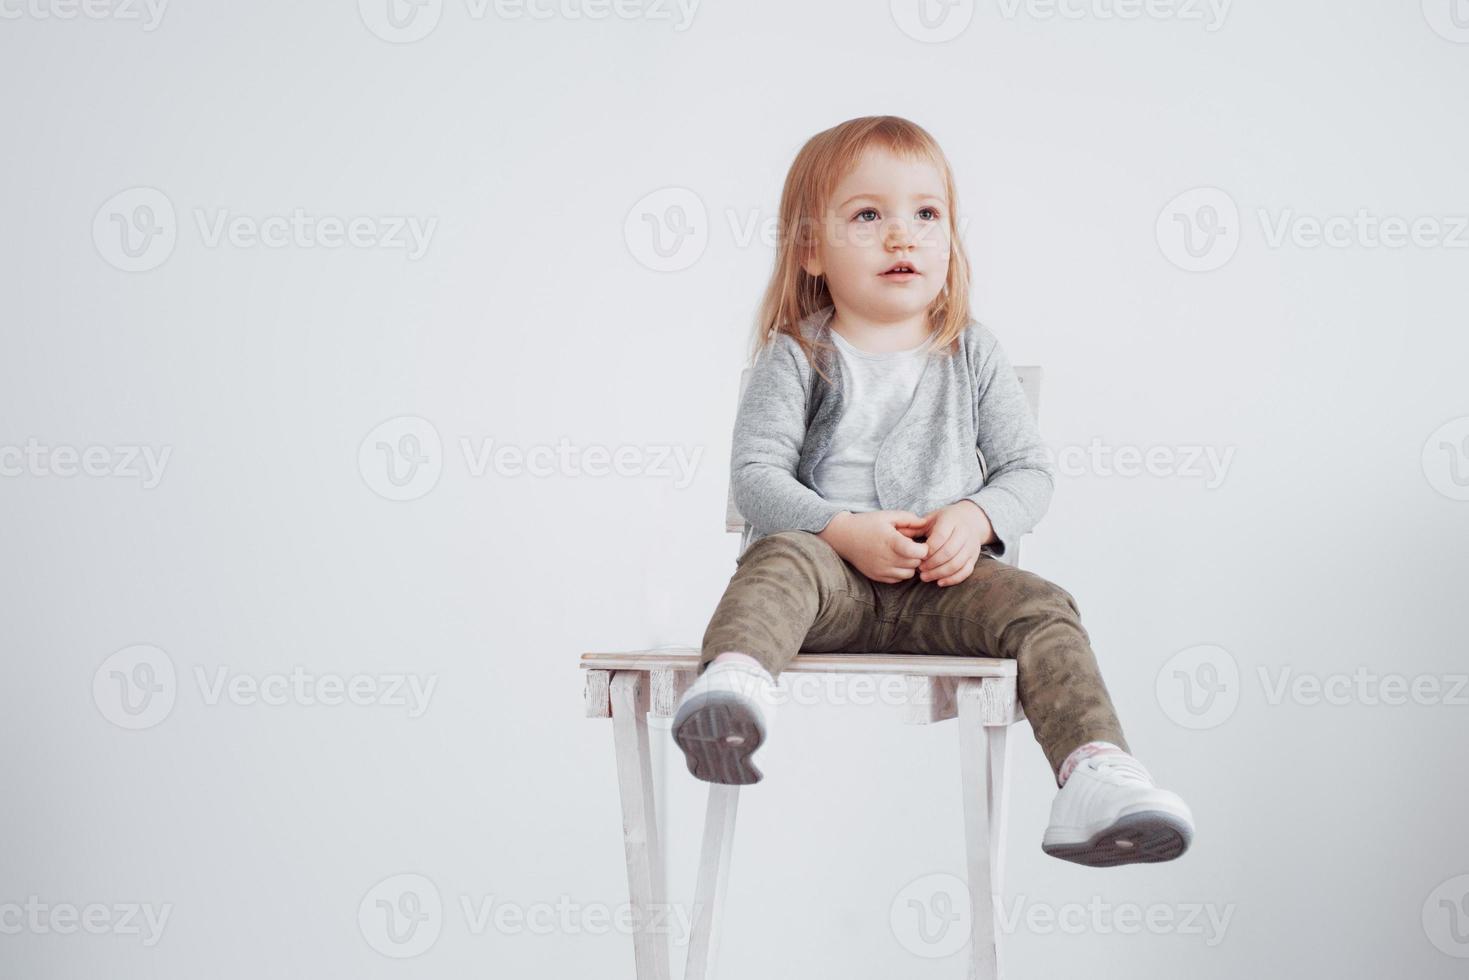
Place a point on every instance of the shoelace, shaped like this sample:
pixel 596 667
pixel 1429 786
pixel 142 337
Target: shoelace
pixel 1119 768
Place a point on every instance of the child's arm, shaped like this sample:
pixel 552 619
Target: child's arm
pixel 1019 478
pixel 769 430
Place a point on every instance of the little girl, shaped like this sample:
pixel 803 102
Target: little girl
pixel 885 457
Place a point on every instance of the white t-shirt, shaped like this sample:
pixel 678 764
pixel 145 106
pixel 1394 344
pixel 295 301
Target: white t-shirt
pixel 878 388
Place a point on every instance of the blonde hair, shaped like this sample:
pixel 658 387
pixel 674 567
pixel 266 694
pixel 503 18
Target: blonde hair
pixel 793 294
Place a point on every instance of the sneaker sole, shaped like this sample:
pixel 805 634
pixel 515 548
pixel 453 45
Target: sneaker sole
pixel 718 734
pixel 1145 837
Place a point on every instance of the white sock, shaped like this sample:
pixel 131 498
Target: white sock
pixel 736 657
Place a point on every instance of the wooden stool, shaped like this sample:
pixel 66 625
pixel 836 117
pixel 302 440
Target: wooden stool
pixel 979 691
pixel 628 687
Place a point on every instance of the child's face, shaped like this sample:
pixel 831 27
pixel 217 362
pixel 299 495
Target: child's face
pixel 888 209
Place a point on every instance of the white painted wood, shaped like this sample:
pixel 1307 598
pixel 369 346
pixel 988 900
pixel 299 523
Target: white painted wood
pixel 930 700
pixel 630 699
pixel 974 765
pixel 1000 701
pixel 596 692
pixel 714 861
pixel 999 807
pixel 816 663
pixel 669 685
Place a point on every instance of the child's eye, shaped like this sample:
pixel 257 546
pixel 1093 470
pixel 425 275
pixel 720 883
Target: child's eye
pixel 859 214
pixel 931 211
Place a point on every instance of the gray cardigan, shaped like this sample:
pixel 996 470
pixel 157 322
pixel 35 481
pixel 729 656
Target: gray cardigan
pixel 968 434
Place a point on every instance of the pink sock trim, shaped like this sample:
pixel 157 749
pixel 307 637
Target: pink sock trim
pixel 1081 752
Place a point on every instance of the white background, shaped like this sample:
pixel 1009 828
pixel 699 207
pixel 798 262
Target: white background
pixel 1327 832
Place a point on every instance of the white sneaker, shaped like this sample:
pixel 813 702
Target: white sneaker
pixel 1109 813
pixel 724 716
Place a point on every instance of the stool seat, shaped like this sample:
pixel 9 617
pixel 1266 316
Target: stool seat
pixel 913 664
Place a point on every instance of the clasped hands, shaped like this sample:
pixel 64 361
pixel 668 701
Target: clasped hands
pixel 882 544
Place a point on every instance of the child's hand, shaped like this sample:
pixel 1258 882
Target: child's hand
pixel 878 543
pixel 955 535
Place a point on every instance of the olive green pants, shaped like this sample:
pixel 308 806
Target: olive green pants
pixel 792 592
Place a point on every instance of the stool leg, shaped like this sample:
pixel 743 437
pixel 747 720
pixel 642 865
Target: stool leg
pixel 630 700
pixel 714 855
pixel 975 754
pixel 999 805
